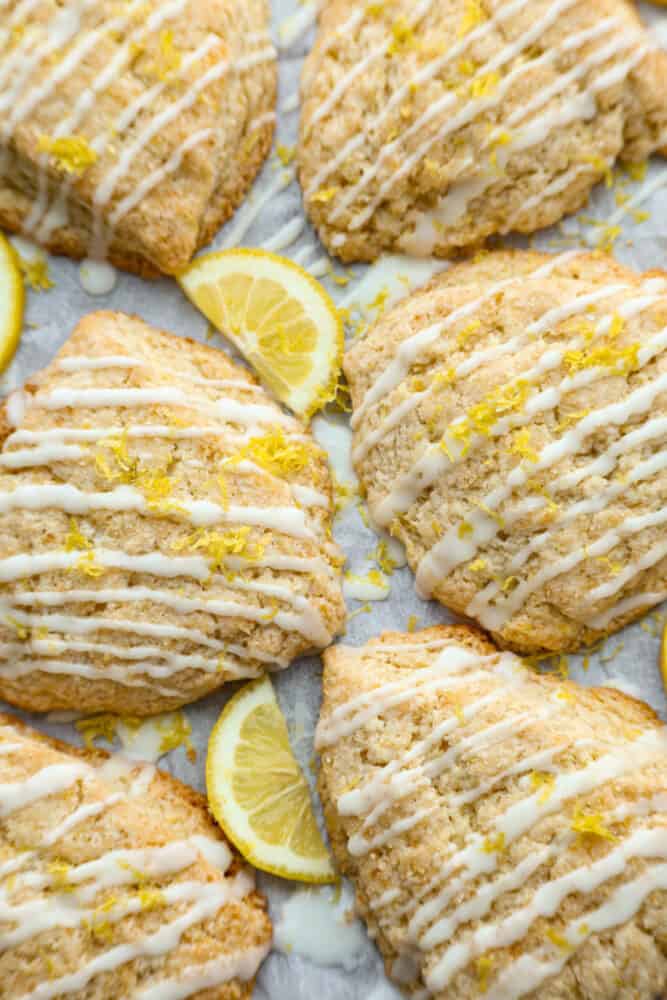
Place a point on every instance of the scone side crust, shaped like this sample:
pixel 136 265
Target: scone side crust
pixel 177 503
pixel 481 144
pixel 168 196
pixel 393 851
pixel 549 372
pixel 104 815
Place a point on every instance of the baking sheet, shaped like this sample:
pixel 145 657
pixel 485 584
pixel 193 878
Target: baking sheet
pixel 629 659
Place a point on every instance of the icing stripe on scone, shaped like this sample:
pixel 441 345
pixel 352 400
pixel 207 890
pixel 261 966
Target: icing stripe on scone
pixel 470 880
pixel 38 496
pixel 196 978
pixel 230 410
pixel 43 908
pixel 90 624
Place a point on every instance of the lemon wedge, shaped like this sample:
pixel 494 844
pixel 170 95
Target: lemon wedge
pixel 663 657
pixel 257 791
pixel 279 318
pixel 12 298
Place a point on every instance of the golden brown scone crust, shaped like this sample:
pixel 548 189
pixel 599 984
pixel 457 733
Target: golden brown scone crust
pixel 205 469
pixel 546 730
pixel 428 128
pixel 209 150
pixel 125 813
pixel 513 438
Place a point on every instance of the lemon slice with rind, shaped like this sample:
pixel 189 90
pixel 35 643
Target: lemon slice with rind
pixel 12 298
pixel 279 318
pixel 257 791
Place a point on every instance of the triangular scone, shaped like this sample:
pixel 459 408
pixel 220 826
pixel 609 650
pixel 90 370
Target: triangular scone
pixel 430 126
pixel 506 831
pixel 132 130
pixel 510 425
pixel 164 527
pixel 115 882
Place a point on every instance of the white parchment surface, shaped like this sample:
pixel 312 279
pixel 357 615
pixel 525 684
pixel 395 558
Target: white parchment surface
pixel 628 659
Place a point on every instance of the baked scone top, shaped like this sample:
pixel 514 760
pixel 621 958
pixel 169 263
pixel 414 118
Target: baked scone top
pixel 115 883
pixel 506 831
pixel 427 126
pixel 165 527
pixel 510 423
pixel 131 129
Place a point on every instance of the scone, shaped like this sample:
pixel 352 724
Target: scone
pixel 164 527
pixel 115 882
pixel 506 832
pixel 131 131
pixel 510 422
pixel 430 126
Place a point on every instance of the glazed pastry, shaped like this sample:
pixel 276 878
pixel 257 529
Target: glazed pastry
pixel 131 131
pixel 506 831
pixel 429 126
pixel 509 427
pixel 164 527
pixel 114 882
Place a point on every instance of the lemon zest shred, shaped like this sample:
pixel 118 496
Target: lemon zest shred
pixel 70 152
pixel 544 782
pixel 484 966
pixel 494 845
pixel 558 940
pixel 590 823
pixel 276 453
pixel 35 271
pixel 473 16
pixel 324 195
pixel 75 538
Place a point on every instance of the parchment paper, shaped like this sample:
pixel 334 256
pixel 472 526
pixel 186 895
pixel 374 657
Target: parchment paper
pixel 630 658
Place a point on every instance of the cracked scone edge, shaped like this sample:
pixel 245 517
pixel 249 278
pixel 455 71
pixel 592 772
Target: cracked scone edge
pixel 185 572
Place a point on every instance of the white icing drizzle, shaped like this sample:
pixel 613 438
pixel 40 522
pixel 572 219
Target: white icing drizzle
pixel 467 884
pixel 196 978
pixel 230 410
pixel 307 622
pixel 90 623
pixel 638 198
pixel 40 496
pixel 546 901
pixel 49 781
pixel 239 228
pixel 468 112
